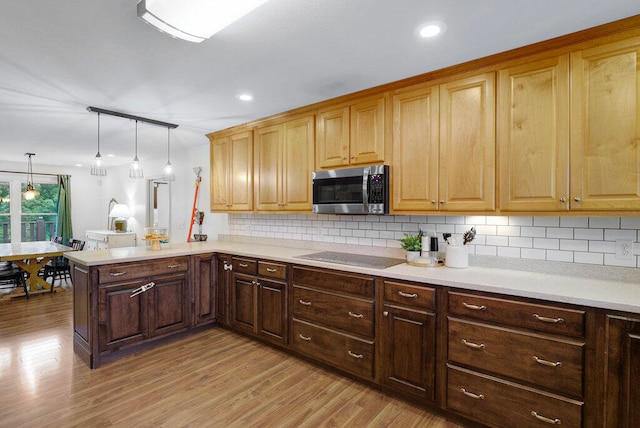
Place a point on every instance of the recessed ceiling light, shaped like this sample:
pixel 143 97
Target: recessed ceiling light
pixel 244 97
pixel 78 164
pixel 111 155
pixel 431 29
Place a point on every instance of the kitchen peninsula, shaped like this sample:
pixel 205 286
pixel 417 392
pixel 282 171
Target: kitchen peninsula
pixel 548 341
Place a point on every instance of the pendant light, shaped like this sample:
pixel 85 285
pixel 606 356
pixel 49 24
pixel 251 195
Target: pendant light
pixel 97 167
pixel 31 192
pixel 135 169
pixel 168 169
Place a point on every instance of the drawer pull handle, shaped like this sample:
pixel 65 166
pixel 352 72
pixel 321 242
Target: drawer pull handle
pixel 555 421
pixel 243 265
pixel 410 295
pixel 272 270
pixel 304 302
pixel 303 337
pixel 473 345
pixel 547 363
pixel 351 314
pixel 174 266
pixel 351 354
pixel 549 320
pixel 472 395
pixel 117 273
pixel 474 307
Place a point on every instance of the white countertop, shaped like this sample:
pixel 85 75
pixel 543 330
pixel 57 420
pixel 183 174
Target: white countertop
pixel 599 293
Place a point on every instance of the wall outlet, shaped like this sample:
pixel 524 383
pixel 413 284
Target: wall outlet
pixel 624 250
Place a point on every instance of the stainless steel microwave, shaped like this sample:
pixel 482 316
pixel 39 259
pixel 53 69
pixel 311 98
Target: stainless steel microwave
pixel 363 190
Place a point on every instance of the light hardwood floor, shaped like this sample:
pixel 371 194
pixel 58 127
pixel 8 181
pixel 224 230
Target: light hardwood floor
pixel 212 379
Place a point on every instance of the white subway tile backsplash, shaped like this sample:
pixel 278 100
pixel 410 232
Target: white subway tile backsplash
pixel 564 239
pixel 604 222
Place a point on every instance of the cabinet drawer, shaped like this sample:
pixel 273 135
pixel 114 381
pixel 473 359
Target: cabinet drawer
pixel 272 270
pixel 409 295
pixel 345 313
pixel 246 266
pixel 497 403
pixel 528 315
pixel 546 362
pixel 339 350
pixel 357 285
pixel 127 271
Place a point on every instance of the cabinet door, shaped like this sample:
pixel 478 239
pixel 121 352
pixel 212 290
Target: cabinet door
pixel 367 131
pixel 232 173
pixel 168 305
pixel 415 149
pixel 122 319
pixel 605 127
pixel 223 275
pixel 268 167
pixel 533 135
pixel 332 150
pixel 297 164
pixel 408 351
pixel 204 289
pixel 467 144
pixel 272 310
pixel 220 172
pixel 244 303
pixel 623 372
pixel 241 172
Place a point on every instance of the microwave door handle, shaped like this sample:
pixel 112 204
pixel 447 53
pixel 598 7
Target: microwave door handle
pixel 365 190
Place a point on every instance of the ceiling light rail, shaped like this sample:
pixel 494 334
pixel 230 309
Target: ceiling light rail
pixel 131 117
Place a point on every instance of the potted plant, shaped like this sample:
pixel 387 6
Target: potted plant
pixel 413 245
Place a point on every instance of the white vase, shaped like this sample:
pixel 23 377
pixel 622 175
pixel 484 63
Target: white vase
pixel 457 256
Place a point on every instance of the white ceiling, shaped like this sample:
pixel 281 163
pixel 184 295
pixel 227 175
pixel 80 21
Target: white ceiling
pixel 58 57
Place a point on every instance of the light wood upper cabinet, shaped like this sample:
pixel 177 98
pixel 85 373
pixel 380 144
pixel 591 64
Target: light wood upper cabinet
pixel 533 135
pixel 605 127
pixel 283 165
pixel 332 150
pixel 415 149
pixel 467 144
pixel 352 134
pixel 232 172
pixel 444 147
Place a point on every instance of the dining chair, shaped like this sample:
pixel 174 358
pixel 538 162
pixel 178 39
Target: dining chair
pixel 59 266
pixel 11 276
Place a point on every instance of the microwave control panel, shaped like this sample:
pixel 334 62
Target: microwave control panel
pixel 376 189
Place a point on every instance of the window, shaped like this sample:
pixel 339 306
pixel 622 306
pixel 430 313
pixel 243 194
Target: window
pixel 5 214
pixel 39 215
pixel 34 220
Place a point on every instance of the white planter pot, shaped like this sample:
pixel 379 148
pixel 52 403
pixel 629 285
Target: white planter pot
pixel 413 256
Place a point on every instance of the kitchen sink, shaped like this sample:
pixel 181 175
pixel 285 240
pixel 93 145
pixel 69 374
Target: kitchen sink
pixel 373 262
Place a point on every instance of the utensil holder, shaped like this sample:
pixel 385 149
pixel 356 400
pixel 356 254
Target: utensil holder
pixel 457 256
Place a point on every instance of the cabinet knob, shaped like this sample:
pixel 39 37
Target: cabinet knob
pixel 441 202
pixel 385 313
pixel 353 156
pixel 433 201
pixel 577 199
pixel 563 200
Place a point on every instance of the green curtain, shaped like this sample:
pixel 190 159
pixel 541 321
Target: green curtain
pixel 64 228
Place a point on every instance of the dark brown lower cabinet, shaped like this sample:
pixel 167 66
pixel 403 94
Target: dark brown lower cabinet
pixel 128 316
pixel 408 346
pixel 259 299
pixel 204 289
pixel 223 284
pixel 623 372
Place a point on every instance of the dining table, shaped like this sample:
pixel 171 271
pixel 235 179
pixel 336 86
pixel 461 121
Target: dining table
pixel 31 257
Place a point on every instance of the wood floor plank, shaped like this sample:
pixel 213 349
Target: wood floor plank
pixel 215 378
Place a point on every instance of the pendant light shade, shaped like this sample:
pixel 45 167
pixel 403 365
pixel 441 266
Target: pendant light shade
pixel 169 174
pixel 31 193
pixel 135 169
pixel 97 167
